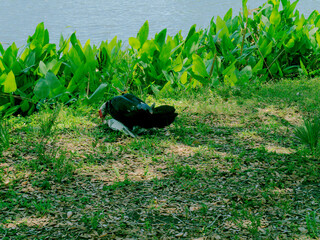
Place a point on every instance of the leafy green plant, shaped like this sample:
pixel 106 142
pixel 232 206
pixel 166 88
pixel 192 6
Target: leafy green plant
pixel 309 133
pixel 269 42
pixel 62 168
pixel 47 123
pixel 49 155
pixel 185 171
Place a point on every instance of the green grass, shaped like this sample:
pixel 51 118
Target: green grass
pixel 4 135
pixel 229 167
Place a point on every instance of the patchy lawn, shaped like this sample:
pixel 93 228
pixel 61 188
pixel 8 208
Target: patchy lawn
pixel 228 168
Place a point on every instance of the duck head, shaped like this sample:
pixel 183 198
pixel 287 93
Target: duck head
pixel 103 111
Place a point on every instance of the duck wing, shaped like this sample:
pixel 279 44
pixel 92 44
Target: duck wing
pixel 128 109
pixel 140 105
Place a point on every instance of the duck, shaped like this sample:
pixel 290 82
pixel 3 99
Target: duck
pixel 132 112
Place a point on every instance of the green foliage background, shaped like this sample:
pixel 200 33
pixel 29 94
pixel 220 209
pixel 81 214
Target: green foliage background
pixel 252 47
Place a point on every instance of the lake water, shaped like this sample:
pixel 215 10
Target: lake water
pixel 101 20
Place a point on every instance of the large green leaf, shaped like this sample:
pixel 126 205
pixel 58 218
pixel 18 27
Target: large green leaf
pixel 304 70
pixel 143 33
pixel 134 43
pixel 258 66
pixel 166 88
pixel 198 66
pixel 1 49
pixel 230 76
pixel 192 30
pixel 290 43
pixel 177 64
pixel 64 45
pixel 228 15
pixel 46 85
pixel 3 78
pixel 266 47
pixel 54 66
pixel 4 106
pixel 30 59
pixel 76 44
pixel 230 79
pixel 245 75
pixel 184 78
pixel 9 57
pixel 112 44
pixel 300 23
pixel 161 37
pixel 222 28
pixel 89 53
pixel 192 44
pixel 2 67
pixel 38 36
pixel 164 55
pixel 9 85
pixel 245 8
pixel 275 17
pixel 43 68
pixel 77 79
pixel 289 10
pixel 98 93
pixel 149 47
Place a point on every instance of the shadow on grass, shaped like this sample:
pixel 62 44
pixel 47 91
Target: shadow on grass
pixel 236 174
pixel 241 202
pixel 214 183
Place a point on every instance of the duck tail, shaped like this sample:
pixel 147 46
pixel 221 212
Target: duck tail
pixel 163 116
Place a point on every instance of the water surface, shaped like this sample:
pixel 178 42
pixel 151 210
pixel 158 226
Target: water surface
pixel 101 20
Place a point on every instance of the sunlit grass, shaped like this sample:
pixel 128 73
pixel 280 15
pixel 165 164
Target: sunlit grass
pixel 224 168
